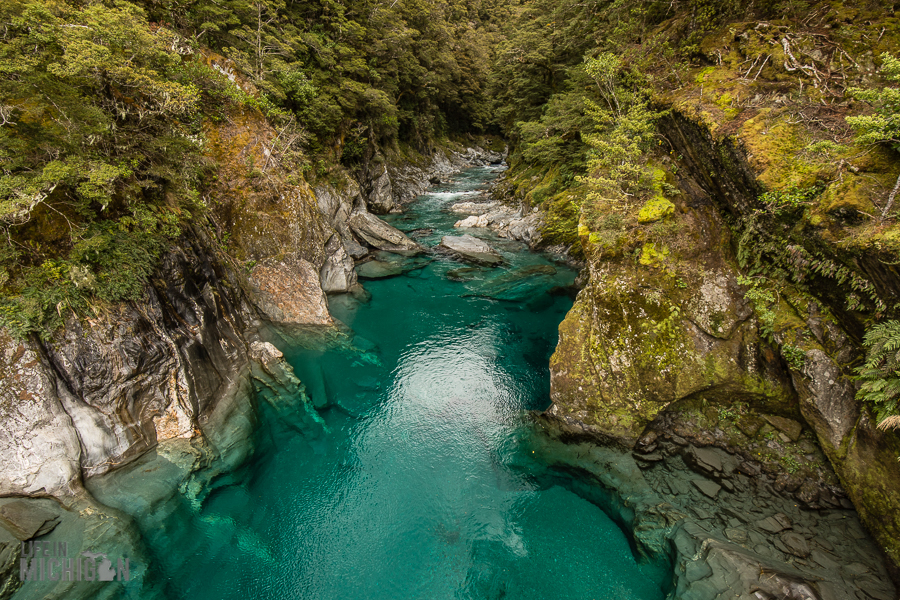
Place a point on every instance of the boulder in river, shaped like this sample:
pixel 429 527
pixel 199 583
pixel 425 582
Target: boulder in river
pixel 473 221
pixel 471 249
pixel 378 269
pixel 287 290
pixel 381 235
pixel 473 208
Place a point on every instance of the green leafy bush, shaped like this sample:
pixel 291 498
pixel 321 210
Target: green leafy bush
pixel 794 356
pixel 110 261
pixel 880 374
pixel 884 125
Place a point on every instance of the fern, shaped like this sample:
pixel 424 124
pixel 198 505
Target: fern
pixel 881 372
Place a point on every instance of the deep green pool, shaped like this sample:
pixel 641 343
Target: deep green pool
pixel 419 484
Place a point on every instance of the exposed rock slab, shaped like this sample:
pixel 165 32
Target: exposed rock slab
pixel 379 234
pixel 337 205
pixel 337 274
pixel 789 427
pixel 505 221
pixel 38 441
pixel 377 269
pixel 474 208
pixel 380 197
pixel 472 249
pixel 708 488
pixel 26 521
pixel 287 290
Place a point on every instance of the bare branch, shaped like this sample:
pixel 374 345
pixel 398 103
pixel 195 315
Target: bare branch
pixel 890 201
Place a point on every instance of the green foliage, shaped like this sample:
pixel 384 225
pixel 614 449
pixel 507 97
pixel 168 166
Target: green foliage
pixel 764 250
pixel 90 99
pixel 795 357
pixel 884 125
pixel 99 121
pixel 555 139
pixel 762 297
pixel 880 374
pixel 780 202
pixel 790 462
pixel 109 262
pixel 624 133
pixel 410 70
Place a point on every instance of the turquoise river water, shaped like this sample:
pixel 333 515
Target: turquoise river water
pixel 417 482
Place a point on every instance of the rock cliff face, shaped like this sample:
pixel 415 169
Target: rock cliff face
pixel 106 389
pixel 173 379
pixel 663 339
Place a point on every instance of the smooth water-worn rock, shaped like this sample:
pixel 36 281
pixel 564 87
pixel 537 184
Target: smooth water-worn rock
pixel 471 248
pixel 474 208
pixel 379 234
pixel 505 221
pixel 337 274
pixel 380 197
pixel 336 204
pixel 288 291
pixel 376 269
pixel 740 541
pixel 26 521
pixel 516 284
pixel 104 390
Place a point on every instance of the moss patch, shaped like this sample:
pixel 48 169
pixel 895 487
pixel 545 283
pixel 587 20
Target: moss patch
pixel 655 210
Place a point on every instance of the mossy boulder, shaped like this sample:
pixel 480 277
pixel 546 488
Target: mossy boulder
pixel 653 255
pixel 656 209
pixel 635 341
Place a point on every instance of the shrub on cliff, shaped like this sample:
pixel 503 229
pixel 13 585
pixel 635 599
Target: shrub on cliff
pixel 881 373
pixel 624 132
pixel 97 119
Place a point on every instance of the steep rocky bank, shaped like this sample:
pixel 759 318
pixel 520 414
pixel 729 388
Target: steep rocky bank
pixel 663 344
pixel 178 373
pixel 725 528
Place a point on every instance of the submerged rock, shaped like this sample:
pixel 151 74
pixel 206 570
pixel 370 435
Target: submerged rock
pixel 27 521
pixel 465 274
pixel 376 269
pixel 471 248
pixel 519 284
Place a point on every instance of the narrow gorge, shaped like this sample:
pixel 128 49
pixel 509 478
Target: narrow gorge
pixel 477 299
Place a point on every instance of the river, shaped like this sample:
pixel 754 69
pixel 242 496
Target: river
pixel 415 479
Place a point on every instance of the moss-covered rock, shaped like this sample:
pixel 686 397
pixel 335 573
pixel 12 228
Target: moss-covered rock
pixel 638 339
pixel 261 206
pixel 655 209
